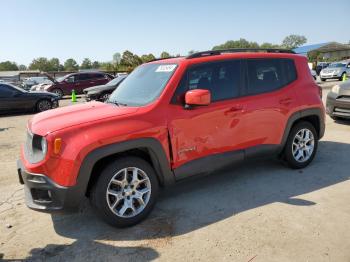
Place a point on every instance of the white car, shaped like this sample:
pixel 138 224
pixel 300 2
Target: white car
pixel 336 70
pixel 34 80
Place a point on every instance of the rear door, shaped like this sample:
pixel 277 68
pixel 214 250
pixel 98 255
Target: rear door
pixel 269 99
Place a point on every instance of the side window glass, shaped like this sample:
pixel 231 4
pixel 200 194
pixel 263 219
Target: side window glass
pixel 6 91
pixel 264 75
pixel 83 77
pixel 222 79
pixel 71 79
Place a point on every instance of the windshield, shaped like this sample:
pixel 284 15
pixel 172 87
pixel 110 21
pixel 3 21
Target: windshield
pixel 60 79
pixel 143 85
pixel 336 65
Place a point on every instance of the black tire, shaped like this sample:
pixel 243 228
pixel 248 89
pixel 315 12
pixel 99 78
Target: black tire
pixel 58 92
pixel 98 195
pixel 288 149
pixel 322 79
pixel 43 105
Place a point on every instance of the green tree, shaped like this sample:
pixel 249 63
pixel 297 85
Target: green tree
pixel 241 43
pixel 147 58
pixel 95 65
pixel 130 60
pixel 8 66
pixel 107 66
pixel 55 65
pixel 164 55
pixel 41 64
pixel 71 65
pixel 22 67
pixel 269 45
pixel 293 41
pixel 86 64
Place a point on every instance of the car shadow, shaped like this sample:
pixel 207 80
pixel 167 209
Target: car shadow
pixel 86 250
pixel 196 203
pixel 343 121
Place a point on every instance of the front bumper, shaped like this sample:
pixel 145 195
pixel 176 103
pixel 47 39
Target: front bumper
pixel 338 106
pixel 330 76
pixel 42 194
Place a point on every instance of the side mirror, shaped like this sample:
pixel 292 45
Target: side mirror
pixel 197 97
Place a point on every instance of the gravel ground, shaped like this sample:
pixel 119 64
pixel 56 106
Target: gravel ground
pixel 258 211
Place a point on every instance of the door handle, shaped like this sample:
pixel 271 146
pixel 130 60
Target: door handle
pixel 286 101
pixel 234 109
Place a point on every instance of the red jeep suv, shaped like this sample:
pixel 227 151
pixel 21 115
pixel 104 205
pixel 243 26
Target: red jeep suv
pixel 171 119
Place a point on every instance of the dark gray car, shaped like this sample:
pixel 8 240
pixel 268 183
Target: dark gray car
pixel 102 92
pixel 338 101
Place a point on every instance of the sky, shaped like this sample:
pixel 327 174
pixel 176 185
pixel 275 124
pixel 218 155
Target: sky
pixel 98 29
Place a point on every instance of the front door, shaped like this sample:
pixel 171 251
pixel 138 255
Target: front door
pixel 206 131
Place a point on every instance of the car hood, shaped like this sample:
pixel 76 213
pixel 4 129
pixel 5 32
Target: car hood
pixel 60 118
pixel 42 93
pixel 99 88
pixel 344 88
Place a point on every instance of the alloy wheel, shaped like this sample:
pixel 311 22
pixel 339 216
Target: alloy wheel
pixel 303 145
pixel 128 192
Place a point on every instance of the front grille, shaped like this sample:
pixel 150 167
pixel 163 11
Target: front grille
pixel 338 111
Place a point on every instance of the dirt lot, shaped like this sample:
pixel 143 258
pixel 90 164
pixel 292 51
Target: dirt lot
pixel 259 211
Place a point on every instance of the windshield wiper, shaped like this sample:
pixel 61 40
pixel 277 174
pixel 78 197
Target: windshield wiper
pixel 116 103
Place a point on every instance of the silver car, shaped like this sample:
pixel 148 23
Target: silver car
pixel 335 70
pixel 338 101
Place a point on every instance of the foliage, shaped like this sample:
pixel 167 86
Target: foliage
pixel 293 41
pixel 116 58
pixel 241 43
pixel 147 58
pixel 71 65
pixel 86 64
pixel 45 65
pixel 8 66
pixel 164 55
pixel 130 60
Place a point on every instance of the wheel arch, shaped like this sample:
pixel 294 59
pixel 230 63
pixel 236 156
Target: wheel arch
pixel 148 149
pixel 314 116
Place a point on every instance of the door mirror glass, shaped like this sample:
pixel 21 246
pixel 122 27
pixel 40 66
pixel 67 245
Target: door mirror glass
pixel 198 97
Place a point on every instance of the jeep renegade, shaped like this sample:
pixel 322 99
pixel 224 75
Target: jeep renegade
pixel 171 119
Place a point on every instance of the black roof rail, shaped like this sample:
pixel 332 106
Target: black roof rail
pixel 239 50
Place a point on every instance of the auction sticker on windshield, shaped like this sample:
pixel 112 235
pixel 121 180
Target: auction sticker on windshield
pixel 165 68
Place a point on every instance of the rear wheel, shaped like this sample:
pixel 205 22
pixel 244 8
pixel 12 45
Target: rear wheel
pixel 301 145
pixel 125 192
pixel 58 92
pixel 43 105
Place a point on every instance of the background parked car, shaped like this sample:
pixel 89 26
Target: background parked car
pixel 102 92
pixel 29 82
pixel 338 101
pixel 77 81
pixel 320 66
pixel 13 98
pixel 335 70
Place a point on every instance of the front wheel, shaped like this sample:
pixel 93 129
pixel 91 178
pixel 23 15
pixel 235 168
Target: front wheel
pixel 125 192
pixel 301 145
pixel 43 105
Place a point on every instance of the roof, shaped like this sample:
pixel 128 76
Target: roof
pixel 303 50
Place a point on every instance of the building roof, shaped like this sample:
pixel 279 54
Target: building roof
pixel 303 50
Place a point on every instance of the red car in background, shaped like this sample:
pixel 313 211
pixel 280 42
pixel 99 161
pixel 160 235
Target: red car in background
pixel 77 81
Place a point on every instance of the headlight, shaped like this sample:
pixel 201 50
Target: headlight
pixel 335 89
pixel 43 145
